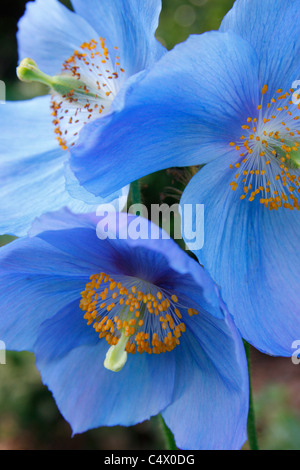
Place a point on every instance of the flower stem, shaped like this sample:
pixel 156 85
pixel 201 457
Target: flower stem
pixel 251 429
pixel 136 195
pixel 168 435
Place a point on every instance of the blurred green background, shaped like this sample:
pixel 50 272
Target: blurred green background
pixel 29 418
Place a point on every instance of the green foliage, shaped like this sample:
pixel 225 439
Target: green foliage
pixel 180 18
pixel 278 422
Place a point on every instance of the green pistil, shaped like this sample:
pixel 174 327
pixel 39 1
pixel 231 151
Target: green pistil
pixel 294 161
pixel 116 356
pixel 295 158
pixel 64 85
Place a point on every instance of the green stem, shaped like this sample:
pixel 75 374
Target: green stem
pixel 251 429
pixel 169 438
pixel 136 195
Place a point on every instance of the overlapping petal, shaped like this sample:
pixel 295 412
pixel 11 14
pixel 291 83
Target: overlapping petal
pixel 36 177
pixel 32 168
pixel 43 277
pixel 129 25
pixel 272 27
pixel 151 255
pixel 49 33
pixel 251 253
pixel 174 125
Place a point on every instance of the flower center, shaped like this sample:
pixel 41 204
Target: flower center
pixel 136 318
pixel 83 92
pixel 269 154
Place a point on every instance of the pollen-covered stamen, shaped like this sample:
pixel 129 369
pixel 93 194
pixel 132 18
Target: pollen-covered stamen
pixel 268 164
pixel 99 80
pixel 149 318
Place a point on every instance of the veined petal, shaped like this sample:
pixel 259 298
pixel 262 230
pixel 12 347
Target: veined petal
pixel 48 278
pixel 88 395
pixel 116 200
pixel 27 300
pixel 174 125
pixel 49 33
pixel 62 332
pixel 211 393
pixel 61 220
pixel 129 25
pixel 39 279
pixel 272 27
pixel 31 167
pixel 152 256
pixel 251 252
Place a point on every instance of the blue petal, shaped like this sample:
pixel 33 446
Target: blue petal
pixel 210 407
pixel 61 220
pixel 173 115
pixel 49 33
pixel 33 290
pixel 153 256
pixel 117 200
pixel 251 252
pixel 69 252
pixel 42 278
pixel 31 167
pixel 28 300
pixel 63 332
pixel 129 25
pixel 272 27
pixel 89 396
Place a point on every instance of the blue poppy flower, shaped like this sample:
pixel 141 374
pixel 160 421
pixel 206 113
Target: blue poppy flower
pixel 89 306
pixel 86 57
pixel 229 100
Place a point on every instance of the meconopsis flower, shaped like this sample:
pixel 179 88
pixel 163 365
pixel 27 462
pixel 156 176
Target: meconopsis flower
pixel 86 58
pixel 230 100
pixel 124 328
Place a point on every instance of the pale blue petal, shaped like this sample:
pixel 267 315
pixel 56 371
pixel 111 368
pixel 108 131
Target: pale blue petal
pixel 210 406
pixel 272 27
pixel 251 252
pixel 49 33
pixel 117 200
pixel 129 25
pixel 89 396
pixel 63 332
pixel 31 166
pixel 180 113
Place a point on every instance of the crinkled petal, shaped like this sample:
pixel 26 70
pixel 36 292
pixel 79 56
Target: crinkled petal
pixel 49 33
pixel 62 220
pixel 150 256
pixel 176 124
pixel 129 25
pixel 89 396
pixel 210 406
pixel 272 27
pixel 251 252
